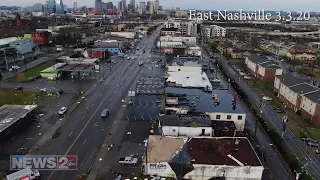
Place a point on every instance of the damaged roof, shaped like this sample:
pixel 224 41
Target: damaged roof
pixel 185 120
pixel 201 150
pixel 215 151
pixel 162 148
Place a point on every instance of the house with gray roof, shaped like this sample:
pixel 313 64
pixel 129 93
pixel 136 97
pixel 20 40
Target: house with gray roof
pixel 263 68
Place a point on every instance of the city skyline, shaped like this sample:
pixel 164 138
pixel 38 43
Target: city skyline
pixel 284 5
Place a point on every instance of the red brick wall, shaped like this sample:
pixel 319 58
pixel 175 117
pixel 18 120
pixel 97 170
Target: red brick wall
pixel 286 102
pixel 269 75
pixel 299 100
pixel 316 117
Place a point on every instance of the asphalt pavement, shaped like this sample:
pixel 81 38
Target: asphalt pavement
pixel 298 147
pixel 84 130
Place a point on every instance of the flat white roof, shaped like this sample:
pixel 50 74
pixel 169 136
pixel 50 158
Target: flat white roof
pixel 194 48
pixel 54 67
pixel 70 60
pixel 5 41
pixel 189 79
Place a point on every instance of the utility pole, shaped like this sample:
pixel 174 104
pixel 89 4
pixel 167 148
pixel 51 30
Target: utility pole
pixel 284 124
pixel 260 113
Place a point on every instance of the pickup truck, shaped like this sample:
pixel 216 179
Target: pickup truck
pixel 129 160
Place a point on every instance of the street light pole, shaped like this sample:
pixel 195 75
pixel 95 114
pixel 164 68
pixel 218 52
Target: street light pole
pixel 260 113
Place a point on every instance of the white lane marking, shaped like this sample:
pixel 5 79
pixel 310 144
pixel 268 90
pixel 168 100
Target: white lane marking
pixel 71 133
pixel 135 118
pixel 84 142
pixel 92 105
pixel 83 117
pixel 142 117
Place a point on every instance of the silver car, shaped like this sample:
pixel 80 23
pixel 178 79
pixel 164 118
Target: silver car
pixel 105 113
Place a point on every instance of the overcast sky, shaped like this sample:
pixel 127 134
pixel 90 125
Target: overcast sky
pixel 286 5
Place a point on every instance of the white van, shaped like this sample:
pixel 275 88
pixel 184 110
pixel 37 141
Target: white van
pixel 24 174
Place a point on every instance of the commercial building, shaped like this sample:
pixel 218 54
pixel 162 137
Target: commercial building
pixel 220 105
pixel 183 65
pixel 201 158
pixel 14 119
pixel 299 96
pixel 52 73
pixel 263 68
pixel 59 7
pixel 98 5
pixel 188 41
pixel 193 51
pixel 170 32
pixel 185 125
pixel 105 47
pixel 150 7
pixel 187 28
pixel 156 5
pixel 189 79
pixel 75 5
pixel 215 31
pixel 142 6
pixel 37 7
pixel 102 52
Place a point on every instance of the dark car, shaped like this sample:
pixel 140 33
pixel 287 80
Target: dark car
pixel 105 113
pixel 278 110
pixel 18 88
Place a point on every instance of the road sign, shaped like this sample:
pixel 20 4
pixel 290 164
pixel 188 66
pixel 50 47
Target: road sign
pixel 131 93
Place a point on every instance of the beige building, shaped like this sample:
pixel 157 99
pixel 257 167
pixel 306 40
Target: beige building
pixel 302 56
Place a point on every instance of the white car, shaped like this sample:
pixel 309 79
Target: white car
pixel 242 73
pixel 133 58
pixel 140 63
pixel 128 58
pixel 156 65
pixel 246 77
pixel 267 98
pixel 62 110
pixel 43 90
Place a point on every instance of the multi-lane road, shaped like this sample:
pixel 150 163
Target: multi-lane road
pixel 300 150
pixel 84 130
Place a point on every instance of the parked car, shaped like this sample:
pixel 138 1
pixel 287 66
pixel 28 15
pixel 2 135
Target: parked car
pixel 128 58
pixel 242 73
pixel 18 88
pixel 62 110
pixel 313 144
pixel 156 65
pixel 266 98
pixel 140 63
pixel 129 160
pixel 246 77
pixel 42 90
pixel 105 113
pixel 278 110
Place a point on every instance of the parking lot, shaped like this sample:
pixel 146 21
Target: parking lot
pixel 143 108
pixel 150 85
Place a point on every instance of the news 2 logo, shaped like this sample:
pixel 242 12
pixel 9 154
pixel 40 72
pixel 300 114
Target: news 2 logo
pixel 44 162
